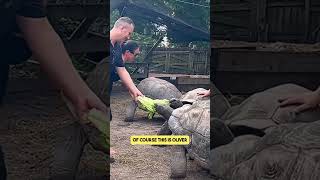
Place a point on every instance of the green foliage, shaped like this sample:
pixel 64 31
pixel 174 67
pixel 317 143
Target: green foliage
pixel 147 33
pixel 114 16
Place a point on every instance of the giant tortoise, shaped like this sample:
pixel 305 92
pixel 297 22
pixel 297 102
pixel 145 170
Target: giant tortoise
pixel 192 119
pixel 69 141
pixel 154 88
pixel 266 141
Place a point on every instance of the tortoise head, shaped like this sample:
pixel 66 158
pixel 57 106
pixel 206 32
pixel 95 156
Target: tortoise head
pixel 220 134
pixel 164 110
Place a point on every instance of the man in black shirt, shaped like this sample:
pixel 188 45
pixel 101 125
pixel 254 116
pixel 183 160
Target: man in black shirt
pixel 129 50
pixel 25 31
pixel 121 32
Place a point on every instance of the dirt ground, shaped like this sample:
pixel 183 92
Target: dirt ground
pixel 28 121
pixel 140 161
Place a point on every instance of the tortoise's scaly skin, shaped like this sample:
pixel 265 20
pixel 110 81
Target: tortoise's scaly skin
pixel 289 151
pixel 262 110
pixel 194 120
pixel 289 148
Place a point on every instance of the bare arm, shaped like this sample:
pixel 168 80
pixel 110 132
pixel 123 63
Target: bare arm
pixel 127 81
pixel 48 49
pixel 205 93
pixel 304 101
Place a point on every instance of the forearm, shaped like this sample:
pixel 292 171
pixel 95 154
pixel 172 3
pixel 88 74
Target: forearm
pixel 48 49
pixel 318 91
pixel 126 79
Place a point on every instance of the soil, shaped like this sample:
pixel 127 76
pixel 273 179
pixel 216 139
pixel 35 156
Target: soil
pixel 141 161
pixel 31 114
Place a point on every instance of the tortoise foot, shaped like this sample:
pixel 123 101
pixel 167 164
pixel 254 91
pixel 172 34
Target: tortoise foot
pixel 178 163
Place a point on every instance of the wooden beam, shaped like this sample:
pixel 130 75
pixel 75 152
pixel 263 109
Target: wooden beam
pixel 261 19
pixel 193 80
pixel 230 21
pixel 315 9
pixel 307 6
pixel 217 8
pixel 253 27
pixel 262 61
pixel 248 72
pixel 286 4
pixel 247 83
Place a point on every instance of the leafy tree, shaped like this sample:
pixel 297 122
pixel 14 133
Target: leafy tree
pixel 147 32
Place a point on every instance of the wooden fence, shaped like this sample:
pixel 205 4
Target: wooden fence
pixel 266 20
pixel 180 61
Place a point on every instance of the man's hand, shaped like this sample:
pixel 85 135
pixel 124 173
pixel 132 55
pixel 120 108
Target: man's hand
pixel 89 101
pixel 81 105
pixel 305 101
pixel 204 93
pixel 135 94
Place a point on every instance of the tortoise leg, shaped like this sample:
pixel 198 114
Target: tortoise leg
pixel 131 110
pixel 178 162
pixel 165 130
pixel 67 150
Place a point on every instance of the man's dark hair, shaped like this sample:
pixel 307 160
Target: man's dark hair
pixel 130 46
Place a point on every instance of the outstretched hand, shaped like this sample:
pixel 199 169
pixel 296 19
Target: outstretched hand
pixel 83 104
pixel 204 93
pixel 304 101
pixel 135 94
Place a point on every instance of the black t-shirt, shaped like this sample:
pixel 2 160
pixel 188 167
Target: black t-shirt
pixel 116 61
pixel 14 49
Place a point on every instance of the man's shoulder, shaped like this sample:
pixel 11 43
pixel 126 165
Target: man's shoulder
pixel 117 46
pixel 118 61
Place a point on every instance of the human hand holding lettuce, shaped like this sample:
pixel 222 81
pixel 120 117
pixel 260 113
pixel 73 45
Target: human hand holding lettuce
pixel 94 120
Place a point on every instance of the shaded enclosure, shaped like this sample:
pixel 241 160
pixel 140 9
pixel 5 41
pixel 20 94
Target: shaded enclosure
pixel 266 20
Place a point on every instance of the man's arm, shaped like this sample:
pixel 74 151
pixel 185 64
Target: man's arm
pixel 204 93
pixel 48 49
pixel 127 81
pixel 304 101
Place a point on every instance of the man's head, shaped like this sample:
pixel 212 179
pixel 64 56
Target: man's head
pixel 130 49
pixel 123 28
